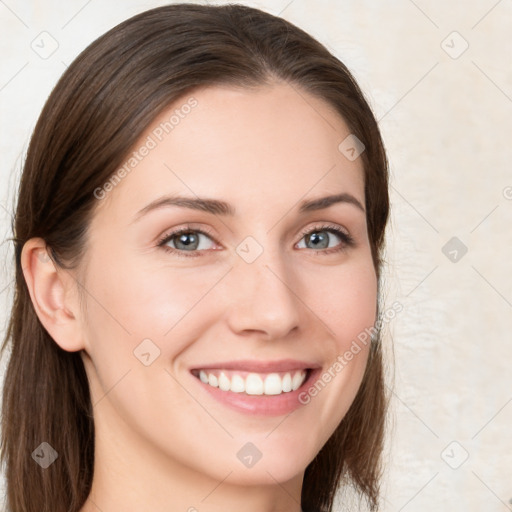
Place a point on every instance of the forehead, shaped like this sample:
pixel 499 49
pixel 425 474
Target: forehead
pixel 273 144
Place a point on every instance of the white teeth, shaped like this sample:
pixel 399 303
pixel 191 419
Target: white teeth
pixel 297 381
pixel 237 384
pixel 273 385
pixel 254 383
pixel 224 382
pixel 287 383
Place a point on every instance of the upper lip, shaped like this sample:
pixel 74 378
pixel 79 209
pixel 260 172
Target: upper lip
pixel 282 365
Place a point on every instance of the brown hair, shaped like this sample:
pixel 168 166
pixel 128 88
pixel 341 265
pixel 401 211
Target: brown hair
pixel 99 108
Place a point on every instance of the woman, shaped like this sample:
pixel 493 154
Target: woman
pixel 198 242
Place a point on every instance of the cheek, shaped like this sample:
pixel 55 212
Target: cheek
pixel 345 299
pixel 128 302
pixel 352 321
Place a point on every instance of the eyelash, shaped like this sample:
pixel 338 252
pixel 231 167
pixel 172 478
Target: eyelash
pixel 346 240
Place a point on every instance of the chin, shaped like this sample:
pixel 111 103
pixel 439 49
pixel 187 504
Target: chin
pixel 278 463
pixel 266 474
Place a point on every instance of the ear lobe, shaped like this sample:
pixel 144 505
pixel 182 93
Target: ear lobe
pixel 53 294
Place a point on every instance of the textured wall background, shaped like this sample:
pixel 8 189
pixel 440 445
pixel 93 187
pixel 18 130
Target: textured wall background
pixel 439 78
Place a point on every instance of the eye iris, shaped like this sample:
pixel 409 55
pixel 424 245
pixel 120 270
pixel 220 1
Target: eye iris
pixel 320 239
pixel 184 240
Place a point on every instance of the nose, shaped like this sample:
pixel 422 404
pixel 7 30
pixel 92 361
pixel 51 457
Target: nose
pixel 262 298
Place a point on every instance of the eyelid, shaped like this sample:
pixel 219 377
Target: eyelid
pixel 323 226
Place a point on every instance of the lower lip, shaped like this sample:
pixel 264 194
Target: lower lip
pixel 261 405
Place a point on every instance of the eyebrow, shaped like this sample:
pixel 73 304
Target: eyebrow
pixel 217 207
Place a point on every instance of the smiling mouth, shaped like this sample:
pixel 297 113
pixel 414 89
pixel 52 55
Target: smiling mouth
pixel 252 383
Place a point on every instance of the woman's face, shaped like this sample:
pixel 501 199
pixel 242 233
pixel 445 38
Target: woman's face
pixel 260 288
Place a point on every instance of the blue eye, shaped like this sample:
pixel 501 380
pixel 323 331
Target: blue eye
pixel 321 237
pixel 188 241
pixel 185 240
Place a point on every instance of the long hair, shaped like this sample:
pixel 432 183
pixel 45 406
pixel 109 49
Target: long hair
pixel 97 111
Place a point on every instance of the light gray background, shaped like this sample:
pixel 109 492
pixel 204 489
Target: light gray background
pixel 445 112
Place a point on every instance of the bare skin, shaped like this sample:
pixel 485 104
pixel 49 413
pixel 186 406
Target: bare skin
pixel 162 442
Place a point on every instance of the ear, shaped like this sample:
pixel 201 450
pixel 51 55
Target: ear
pixel 53 291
